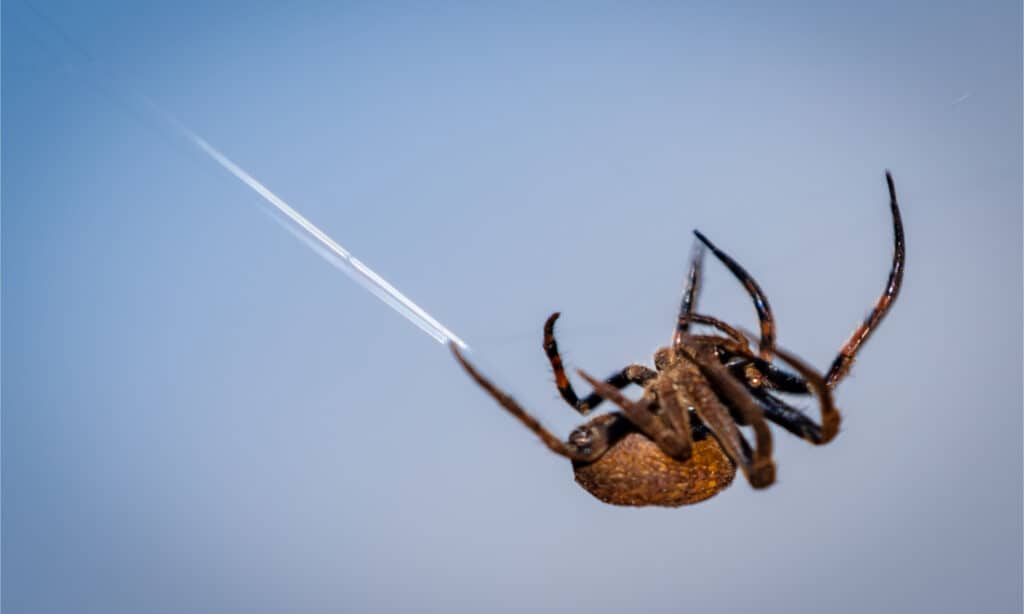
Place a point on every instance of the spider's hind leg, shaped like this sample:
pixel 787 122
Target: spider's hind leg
pixel 585 449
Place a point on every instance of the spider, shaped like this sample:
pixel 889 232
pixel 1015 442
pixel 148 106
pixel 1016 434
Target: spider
pixel 680 442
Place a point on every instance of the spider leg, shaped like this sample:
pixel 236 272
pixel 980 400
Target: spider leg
pixel 692 289
pixel 595 448
pixel 677 416
pixel 678 444
pixel 734 334
pixel 830 417
pixel 841 366
pixel 788 417
pixel 764 310
pixel 742 362
pixel 756 465
pixel 758 373
pixel 632 374
pixel 778 379
pixel 739 359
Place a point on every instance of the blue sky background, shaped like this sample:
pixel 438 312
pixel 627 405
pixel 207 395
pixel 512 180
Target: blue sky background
pixel 200 415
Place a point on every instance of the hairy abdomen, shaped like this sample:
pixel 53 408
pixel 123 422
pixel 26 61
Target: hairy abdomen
pixel 634 471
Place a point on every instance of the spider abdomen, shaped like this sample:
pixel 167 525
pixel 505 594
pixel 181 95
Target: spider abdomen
pixel 634 471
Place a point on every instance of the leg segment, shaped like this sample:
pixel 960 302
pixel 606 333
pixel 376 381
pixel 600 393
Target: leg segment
pixel 632 374
pixel 595 448
pixel 807 381
pixel 586 444
pixel 691 291
pixel 735 335
pixel 739 359
pixel 841 366
pixel 757 465
pixel 788 417
pixel 829 414
pixel 774 377
pixel 676 444
pixel 764 311
pixel 676 415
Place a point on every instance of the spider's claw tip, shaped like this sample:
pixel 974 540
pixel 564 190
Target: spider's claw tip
pixel 703 239
pixel 762 475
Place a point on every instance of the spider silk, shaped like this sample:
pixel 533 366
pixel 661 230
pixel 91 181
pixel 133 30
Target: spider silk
pixel 140 105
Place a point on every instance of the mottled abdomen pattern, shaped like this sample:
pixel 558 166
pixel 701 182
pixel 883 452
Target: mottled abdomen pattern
pixel 634 471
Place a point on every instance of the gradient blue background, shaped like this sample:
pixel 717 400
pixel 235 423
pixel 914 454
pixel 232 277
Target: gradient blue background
pixel 200 415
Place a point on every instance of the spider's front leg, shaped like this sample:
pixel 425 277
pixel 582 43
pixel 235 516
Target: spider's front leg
pixel 842 363
pixel 631 374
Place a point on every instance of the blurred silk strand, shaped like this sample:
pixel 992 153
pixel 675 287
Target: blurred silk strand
pixel 327 247
pixel 292 220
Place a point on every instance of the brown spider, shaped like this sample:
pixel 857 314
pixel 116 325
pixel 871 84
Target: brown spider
pixel 680 443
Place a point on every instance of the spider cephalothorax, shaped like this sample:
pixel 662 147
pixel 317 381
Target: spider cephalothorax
pixel 680 442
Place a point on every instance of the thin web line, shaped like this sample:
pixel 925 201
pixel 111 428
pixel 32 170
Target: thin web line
pixel 293 221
